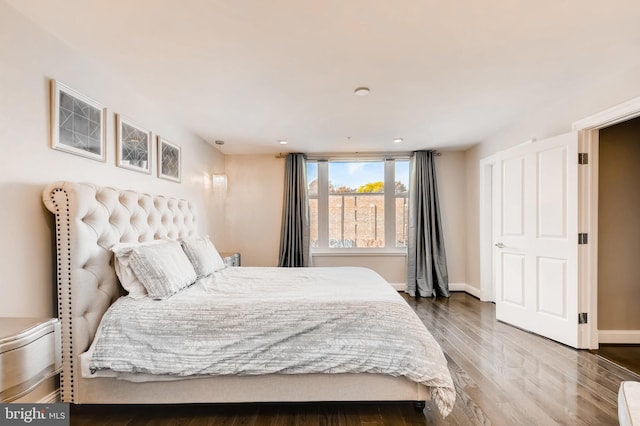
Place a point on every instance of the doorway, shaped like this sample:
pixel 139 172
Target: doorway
pixel 619 233
pixel 589 136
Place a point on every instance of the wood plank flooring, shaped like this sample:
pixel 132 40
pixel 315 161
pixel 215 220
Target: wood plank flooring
pixel 627 356
pixel 503 376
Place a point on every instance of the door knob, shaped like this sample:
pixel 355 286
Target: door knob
pixel 499 245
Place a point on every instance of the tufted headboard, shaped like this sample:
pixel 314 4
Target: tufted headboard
pixel 89 220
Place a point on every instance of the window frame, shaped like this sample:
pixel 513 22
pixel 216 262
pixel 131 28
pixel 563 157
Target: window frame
pixel 390 197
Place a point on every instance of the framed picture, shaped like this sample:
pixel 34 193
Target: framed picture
pixel 77 123
pixel 168 160
pixel 133 146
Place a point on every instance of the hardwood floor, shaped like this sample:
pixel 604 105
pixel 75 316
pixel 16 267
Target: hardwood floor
pixel 503 376
pixel 627 356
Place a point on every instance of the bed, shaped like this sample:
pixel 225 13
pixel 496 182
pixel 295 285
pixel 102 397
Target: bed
pixel 91 220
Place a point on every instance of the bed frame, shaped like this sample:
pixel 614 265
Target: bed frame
pixel 89 220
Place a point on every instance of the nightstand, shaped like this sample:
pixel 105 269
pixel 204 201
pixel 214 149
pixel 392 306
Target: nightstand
pixel 230 259
pixel 30 353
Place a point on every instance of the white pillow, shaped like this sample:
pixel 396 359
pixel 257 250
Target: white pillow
pixel 163 269
pixel 125 274
pixel 203 256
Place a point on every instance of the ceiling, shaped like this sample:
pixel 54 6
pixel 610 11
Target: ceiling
pixel 442 74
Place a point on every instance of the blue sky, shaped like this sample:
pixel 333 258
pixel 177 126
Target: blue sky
pixel 356 174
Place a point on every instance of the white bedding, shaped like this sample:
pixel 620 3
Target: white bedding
pixel 254 321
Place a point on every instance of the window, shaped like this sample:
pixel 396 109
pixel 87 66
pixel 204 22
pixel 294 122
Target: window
pixel 352 208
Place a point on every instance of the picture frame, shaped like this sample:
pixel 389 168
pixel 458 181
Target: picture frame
pixel 169 160
pixel 77 123
pixel 133 146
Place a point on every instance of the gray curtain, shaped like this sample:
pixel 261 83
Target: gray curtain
pixel 294 238
pixel 427 274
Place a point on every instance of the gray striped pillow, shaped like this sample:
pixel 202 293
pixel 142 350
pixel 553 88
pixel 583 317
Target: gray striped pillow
pixel 203 256
pixel 163 269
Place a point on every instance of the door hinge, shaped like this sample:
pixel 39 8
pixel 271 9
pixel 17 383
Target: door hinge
pixel 583 158
pixel 583 238
pixel 583 318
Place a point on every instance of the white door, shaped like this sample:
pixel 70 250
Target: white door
pixel 536 237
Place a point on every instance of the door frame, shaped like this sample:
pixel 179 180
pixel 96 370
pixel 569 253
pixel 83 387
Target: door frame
pixel 487 270
pixel 588 142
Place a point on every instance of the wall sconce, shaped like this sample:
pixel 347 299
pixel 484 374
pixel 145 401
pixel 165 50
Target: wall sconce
pixel 219 182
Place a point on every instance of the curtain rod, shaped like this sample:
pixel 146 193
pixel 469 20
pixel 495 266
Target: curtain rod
pixel 357 155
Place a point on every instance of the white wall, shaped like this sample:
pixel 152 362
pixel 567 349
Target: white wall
pixel 392 268
pixel 253 208
pixel 29 58
pixel 472 266
pixel 451 173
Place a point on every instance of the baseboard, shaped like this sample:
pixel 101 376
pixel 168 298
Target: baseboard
pixel 475 292
pixel 399 286
pixel 619 336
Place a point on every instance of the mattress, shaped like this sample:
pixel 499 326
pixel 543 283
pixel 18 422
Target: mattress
pixel 258 321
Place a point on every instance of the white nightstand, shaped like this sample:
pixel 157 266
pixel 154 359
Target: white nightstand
pixel 231 259
pixel 30 353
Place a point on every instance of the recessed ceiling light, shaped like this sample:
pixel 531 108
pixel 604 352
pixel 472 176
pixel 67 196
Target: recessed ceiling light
pixel 362 91
pixel 283 142
pixel 397 140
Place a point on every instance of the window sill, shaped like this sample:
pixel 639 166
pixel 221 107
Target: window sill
pixel 358 253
